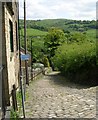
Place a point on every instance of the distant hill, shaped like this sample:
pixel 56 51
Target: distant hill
pixel 64 24
pixel 37 29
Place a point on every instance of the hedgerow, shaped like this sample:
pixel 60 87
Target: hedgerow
pixel 75 58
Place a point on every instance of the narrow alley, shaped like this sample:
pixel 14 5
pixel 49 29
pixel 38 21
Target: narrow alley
pixel 54 97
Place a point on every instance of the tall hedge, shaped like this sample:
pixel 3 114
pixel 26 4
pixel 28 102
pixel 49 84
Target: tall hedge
pixel 75 58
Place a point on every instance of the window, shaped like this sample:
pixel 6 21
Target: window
pixel 16 37
pixel 11 36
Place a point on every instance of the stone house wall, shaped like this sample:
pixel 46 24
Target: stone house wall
pixel 12 57
pixel 10 60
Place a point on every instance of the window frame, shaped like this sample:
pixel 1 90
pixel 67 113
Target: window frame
pixel 16 27
pixel 11 36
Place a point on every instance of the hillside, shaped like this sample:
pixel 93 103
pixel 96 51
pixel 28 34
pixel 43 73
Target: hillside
pixel 71 50
pixel 64 24
pixel 34 32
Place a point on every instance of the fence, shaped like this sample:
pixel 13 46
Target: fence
pixel 35 73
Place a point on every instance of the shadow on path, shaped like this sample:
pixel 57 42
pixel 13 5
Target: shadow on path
pixel 58 79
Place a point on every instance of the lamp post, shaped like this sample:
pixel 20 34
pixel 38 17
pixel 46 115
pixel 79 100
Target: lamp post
pixel 25 42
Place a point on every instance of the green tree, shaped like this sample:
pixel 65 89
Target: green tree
pixel 53 39
pixel 77 37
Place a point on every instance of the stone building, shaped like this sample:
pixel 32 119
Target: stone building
pixel 9 55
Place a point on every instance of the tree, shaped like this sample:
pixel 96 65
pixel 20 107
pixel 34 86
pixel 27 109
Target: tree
pixel 53 39
pixel 77 37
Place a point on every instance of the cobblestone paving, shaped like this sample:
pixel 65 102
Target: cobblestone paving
pixel 54 97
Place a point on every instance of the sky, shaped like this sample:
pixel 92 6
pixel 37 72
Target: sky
pixel 53 9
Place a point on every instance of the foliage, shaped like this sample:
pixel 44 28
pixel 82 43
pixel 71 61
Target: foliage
pixel 37 44
pixel 91 34
pixel 14 115
pixel 77 37
pixel 46 61
pixel 64 24
pixel 73 30
pixel 73 56
pixel 53 39
pixel 19 101
pixel 37 47
pixel 69 43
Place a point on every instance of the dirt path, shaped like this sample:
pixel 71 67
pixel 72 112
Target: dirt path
pixel 54 97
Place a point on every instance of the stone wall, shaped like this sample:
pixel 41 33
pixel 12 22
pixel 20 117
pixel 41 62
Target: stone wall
pixel 12 57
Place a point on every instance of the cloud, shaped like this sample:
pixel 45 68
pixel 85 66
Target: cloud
pixel 69 9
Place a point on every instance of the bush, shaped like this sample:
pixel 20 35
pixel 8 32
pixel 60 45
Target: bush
pixel 14 115
pixel 46 61
pixel 75 58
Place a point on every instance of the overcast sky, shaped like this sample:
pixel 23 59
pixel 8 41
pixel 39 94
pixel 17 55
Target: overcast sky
pixel 52 9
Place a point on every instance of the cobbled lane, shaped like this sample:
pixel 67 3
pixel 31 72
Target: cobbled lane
pixel 54 97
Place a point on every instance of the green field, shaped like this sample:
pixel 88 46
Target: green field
pixel 91 33
pixel 34 32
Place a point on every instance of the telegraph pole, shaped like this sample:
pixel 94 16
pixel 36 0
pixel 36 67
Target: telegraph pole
pixel 21 87
pixel 25 43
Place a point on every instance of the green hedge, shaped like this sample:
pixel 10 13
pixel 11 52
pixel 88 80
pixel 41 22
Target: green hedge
pixel 75 58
